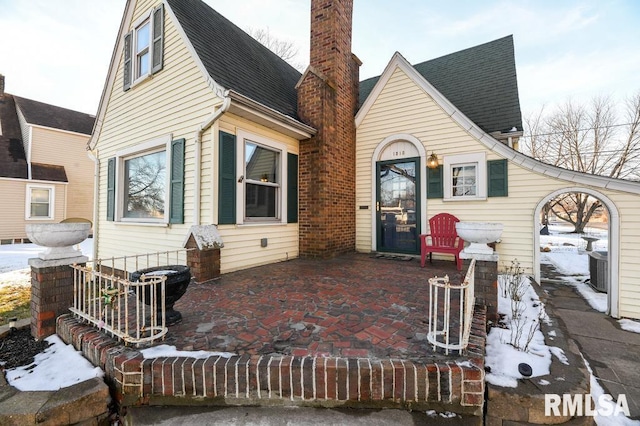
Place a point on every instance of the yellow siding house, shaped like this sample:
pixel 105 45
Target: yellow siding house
pixel 45 173
pixel 199 124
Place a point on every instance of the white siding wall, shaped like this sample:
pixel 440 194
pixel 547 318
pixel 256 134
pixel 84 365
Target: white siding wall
pixel 403 107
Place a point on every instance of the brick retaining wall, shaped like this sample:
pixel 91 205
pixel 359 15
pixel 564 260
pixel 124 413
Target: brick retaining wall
pixel 456 385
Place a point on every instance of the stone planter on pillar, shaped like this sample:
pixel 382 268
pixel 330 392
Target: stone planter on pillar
pixel 51 275
pixel 204 257
pixel 479 234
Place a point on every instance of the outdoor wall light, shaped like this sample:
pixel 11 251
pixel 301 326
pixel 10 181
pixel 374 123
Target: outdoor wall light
pixel 432 161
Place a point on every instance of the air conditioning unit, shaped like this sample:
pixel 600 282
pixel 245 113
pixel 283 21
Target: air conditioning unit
pixel 599 270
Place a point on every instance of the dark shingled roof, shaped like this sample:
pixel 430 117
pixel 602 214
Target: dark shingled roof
pixel 47 115
pixel 13 162
pixel 236 60
pixel 48 172
pixel 480 81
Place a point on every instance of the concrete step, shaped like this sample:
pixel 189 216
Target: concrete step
pixel 85 402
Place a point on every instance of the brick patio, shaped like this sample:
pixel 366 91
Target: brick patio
pixel 345 331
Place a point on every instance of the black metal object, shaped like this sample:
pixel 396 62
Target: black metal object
pixel 178 279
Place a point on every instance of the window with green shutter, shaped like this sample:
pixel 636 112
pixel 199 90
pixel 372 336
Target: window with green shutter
pixel 143 48
pixel 145 182
pixel 497 176
pixel 176 211
pixel 435 187
pixel 227 179
pixel 292 188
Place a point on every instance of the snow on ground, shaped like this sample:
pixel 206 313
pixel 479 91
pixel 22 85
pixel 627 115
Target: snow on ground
pixel 522 319
pixel 567 254
pixel 630 325
pixel 51 370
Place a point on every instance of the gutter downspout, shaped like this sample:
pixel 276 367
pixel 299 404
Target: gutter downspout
pixel 96 193
pixel 198 149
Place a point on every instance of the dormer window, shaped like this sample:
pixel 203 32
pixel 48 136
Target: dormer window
pixel 143 48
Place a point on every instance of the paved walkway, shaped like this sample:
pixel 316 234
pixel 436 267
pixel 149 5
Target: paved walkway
pixel 613 354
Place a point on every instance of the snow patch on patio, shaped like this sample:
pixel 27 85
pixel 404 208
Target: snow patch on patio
pixel 171 351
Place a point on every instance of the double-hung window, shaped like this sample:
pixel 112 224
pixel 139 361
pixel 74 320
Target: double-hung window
pixel 145 183
pixel 40 202
pixel 262 187
pixel 465 177
pixel 143 48
pixel 262 181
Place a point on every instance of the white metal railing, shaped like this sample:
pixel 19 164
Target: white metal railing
pixel 442 332
pixel 133 312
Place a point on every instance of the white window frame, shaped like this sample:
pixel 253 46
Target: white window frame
pixel 52 202
pixel 281 199
pixel 162 143
pixel 480 161
pixel 136 76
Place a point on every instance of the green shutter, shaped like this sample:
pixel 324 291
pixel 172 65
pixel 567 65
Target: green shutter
pixel 111 188
pixel 176 209
pixel 127 71
pixel 157 39
pixel 227 179
pixel 292 188
pixel 435 183
pixel 497 176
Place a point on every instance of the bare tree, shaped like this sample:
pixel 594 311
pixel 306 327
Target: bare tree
pixel 285 49
pixel 590 139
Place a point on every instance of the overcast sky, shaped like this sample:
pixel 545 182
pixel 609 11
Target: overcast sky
pixel 58 51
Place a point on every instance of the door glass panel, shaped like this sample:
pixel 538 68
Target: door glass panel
pixel 398 202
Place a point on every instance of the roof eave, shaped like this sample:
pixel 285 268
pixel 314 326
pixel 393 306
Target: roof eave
pixel 268 117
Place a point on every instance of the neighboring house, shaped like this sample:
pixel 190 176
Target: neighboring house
pixel 45 173
pixel 199 124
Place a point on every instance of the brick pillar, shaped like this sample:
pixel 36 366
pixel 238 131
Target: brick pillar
pixel 486 283
pixel 51 293
pixel 327 101
pixel 204 263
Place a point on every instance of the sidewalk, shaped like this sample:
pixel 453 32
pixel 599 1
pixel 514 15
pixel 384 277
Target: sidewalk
pixel 613 354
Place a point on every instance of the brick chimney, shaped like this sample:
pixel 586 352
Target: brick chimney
pixel 327 101
pixel 1 85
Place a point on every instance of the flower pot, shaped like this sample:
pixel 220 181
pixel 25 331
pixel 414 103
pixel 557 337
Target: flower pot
pixel 479 234
pixel 178 279
pixel 58 238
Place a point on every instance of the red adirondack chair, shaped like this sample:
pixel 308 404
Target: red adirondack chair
pixel 442 238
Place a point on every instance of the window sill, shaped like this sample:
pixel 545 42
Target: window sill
pixel 140 80
pixel 39 218
pixel 462 199
pixel 151 224
pixel 255 224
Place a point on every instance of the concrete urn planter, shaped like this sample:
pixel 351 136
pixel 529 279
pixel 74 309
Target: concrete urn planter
pixel 478 234
pixel 58 238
